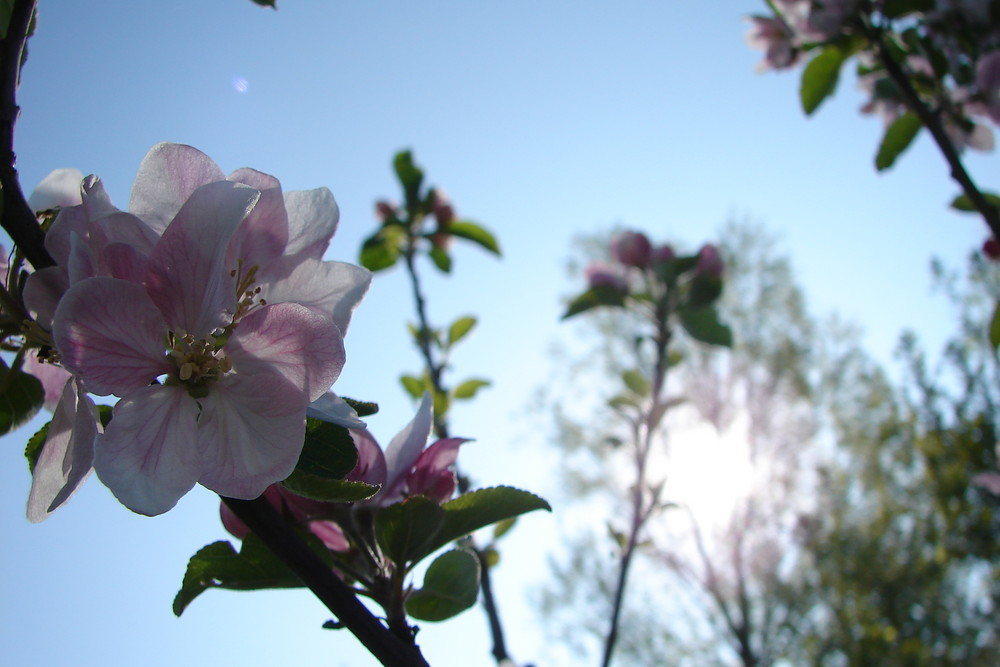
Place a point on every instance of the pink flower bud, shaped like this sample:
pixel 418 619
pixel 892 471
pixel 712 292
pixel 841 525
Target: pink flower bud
pixel 444 212
pixel 442 241
pixel 632 249
pixel 603 274
pixel 384 210
pixel 663 253
pixel 992 249
pixel 709 261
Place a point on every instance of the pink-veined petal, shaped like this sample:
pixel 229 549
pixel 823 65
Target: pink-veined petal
pixel 291 341
pixel 434 474
pixel 331 408
pixel 60 188
pixel 69 221
pixel 167 177
pixel 188 278
pixel 52 377
pixel 331 534
pixel 68 453
pixel 332 289
pixel 148 455
pixel 262 238
pixel 42 292
pixel 404 450
pixel 246 440
pixel 312 220
pixel 371 467
pixel 109 332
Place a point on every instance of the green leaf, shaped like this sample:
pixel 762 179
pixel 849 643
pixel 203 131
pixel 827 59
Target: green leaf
pixel 381 250
pixel 703 325
pixel 451 585
pixel 34 448
pixel 598 295
pixel 621 402
pixel 363 408
pixel 897 138
pixel 407 531
pixel 704 290
pixel 503 527
pixel 21 397
pixel 414 386
pixel 6 10
pixel 963 203
pixel 460 328
pixel 441 259
pixel 636 382
pixel 410 177
pixel 897 8
pixel 328 455
pixel 470 231
pixel 819 78
pixel 329 490
pixel 477 509
pixel 469 388
pixel 669 271
pixel 442 402
pixel 254 567
pixel 995 327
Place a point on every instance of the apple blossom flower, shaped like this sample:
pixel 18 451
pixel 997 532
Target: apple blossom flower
pixel 663 253
pixel 236 373
pixel 600 274
pixel 408 467
pixel 709 261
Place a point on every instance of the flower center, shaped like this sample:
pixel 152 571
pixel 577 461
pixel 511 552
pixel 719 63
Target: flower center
pixel 198 362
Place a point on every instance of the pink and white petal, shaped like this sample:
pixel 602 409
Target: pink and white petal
pixel 69 221
pixel 120 227
pixel 291 341
pixel 81 264
pixel 168 176
pixel 188 278
pixel 261 239
pixel 52 377
pixel 42 292
pixel 434 475
pixel 331 534
pixel 60 188
pixel 371 467
pixel 68 453
pixel 332 289
pixel 110 333
pixel 312 220
pixel 331 408
pixel 148 456
pixel 246 443
pixel 404 450
pixel 123 261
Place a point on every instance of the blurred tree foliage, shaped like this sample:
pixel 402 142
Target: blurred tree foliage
pixel 863 540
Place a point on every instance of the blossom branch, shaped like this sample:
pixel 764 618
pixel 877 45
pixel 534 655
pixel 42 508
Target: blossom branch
pixel 17 218
pixel 932 121
pixel 265 522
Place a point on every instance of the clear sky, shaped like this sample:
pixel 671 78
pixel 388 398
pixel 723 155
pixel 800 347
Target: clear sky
pixel 543 120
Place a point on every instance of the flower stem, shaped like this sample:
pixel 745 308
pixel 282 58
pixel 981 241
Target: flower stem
pixel 265 522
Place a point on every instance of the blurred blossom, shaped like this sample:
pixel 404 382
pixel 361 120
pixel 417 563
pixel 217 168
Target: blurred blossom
pixel 709 261
pixel 663 253
pixel 632 249
pixel 385 210
pixel 600 273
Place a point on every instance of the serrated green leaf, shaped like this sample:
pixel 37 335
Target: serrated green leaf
pixel 21 397
pixel 34 447
pixel 703 325
pixel 451 585
pixel 469 388
pixel 478 509
pixel 441 259
pixel 329 490
pixel 363 408
pixel 410 177
pixel 470 231
pixel 218 565
pixel 995 327
pixel 897 138
pixel 407 531
pixel 378 254
pixel 599 295
pixel 460 328
pixel 328 452
pixel 503 527
pixel 636 382
pixel 414 386
pixel 819 78
pixel 963 203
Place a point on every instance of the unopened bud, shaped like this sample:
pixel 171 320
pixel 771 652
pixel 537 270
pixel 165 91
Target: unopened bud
pixel 632 249
pixel 444 212
pixel 709 261
pixel 603 274
pixel 384 210
pixel 663 253
pixel 991 249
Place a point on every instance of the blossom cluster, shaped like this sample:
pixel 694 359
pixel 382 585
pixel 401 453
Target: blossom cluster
pixel 207 309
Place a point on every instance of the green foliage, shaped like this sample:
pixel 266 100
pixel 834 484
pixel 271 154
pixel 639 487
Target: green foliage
pixel 820 77
pixel 704 291
pixel 995 327
pixel 363 408
pixel 414 386
pixel 963 203
pixel 598 295
pixel 328 455
pixel 266 3
pixel 218 565
pixel 6 10
pixel 703 325
pixel 451 585
pixel 636 383
pixel 469 388
pixel 34 448
pixel 410 177
pixel 21 397
pixel 470 231
pixel 441 259
pixel 897 139
pixel 460 328
pixel 381 250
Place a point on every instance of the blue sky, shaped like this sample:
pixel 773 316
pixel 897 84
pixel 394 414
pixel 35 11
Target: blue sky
pixel 543 121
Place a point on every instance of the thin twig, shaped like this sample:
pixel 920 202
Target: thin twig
pixel 338 597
